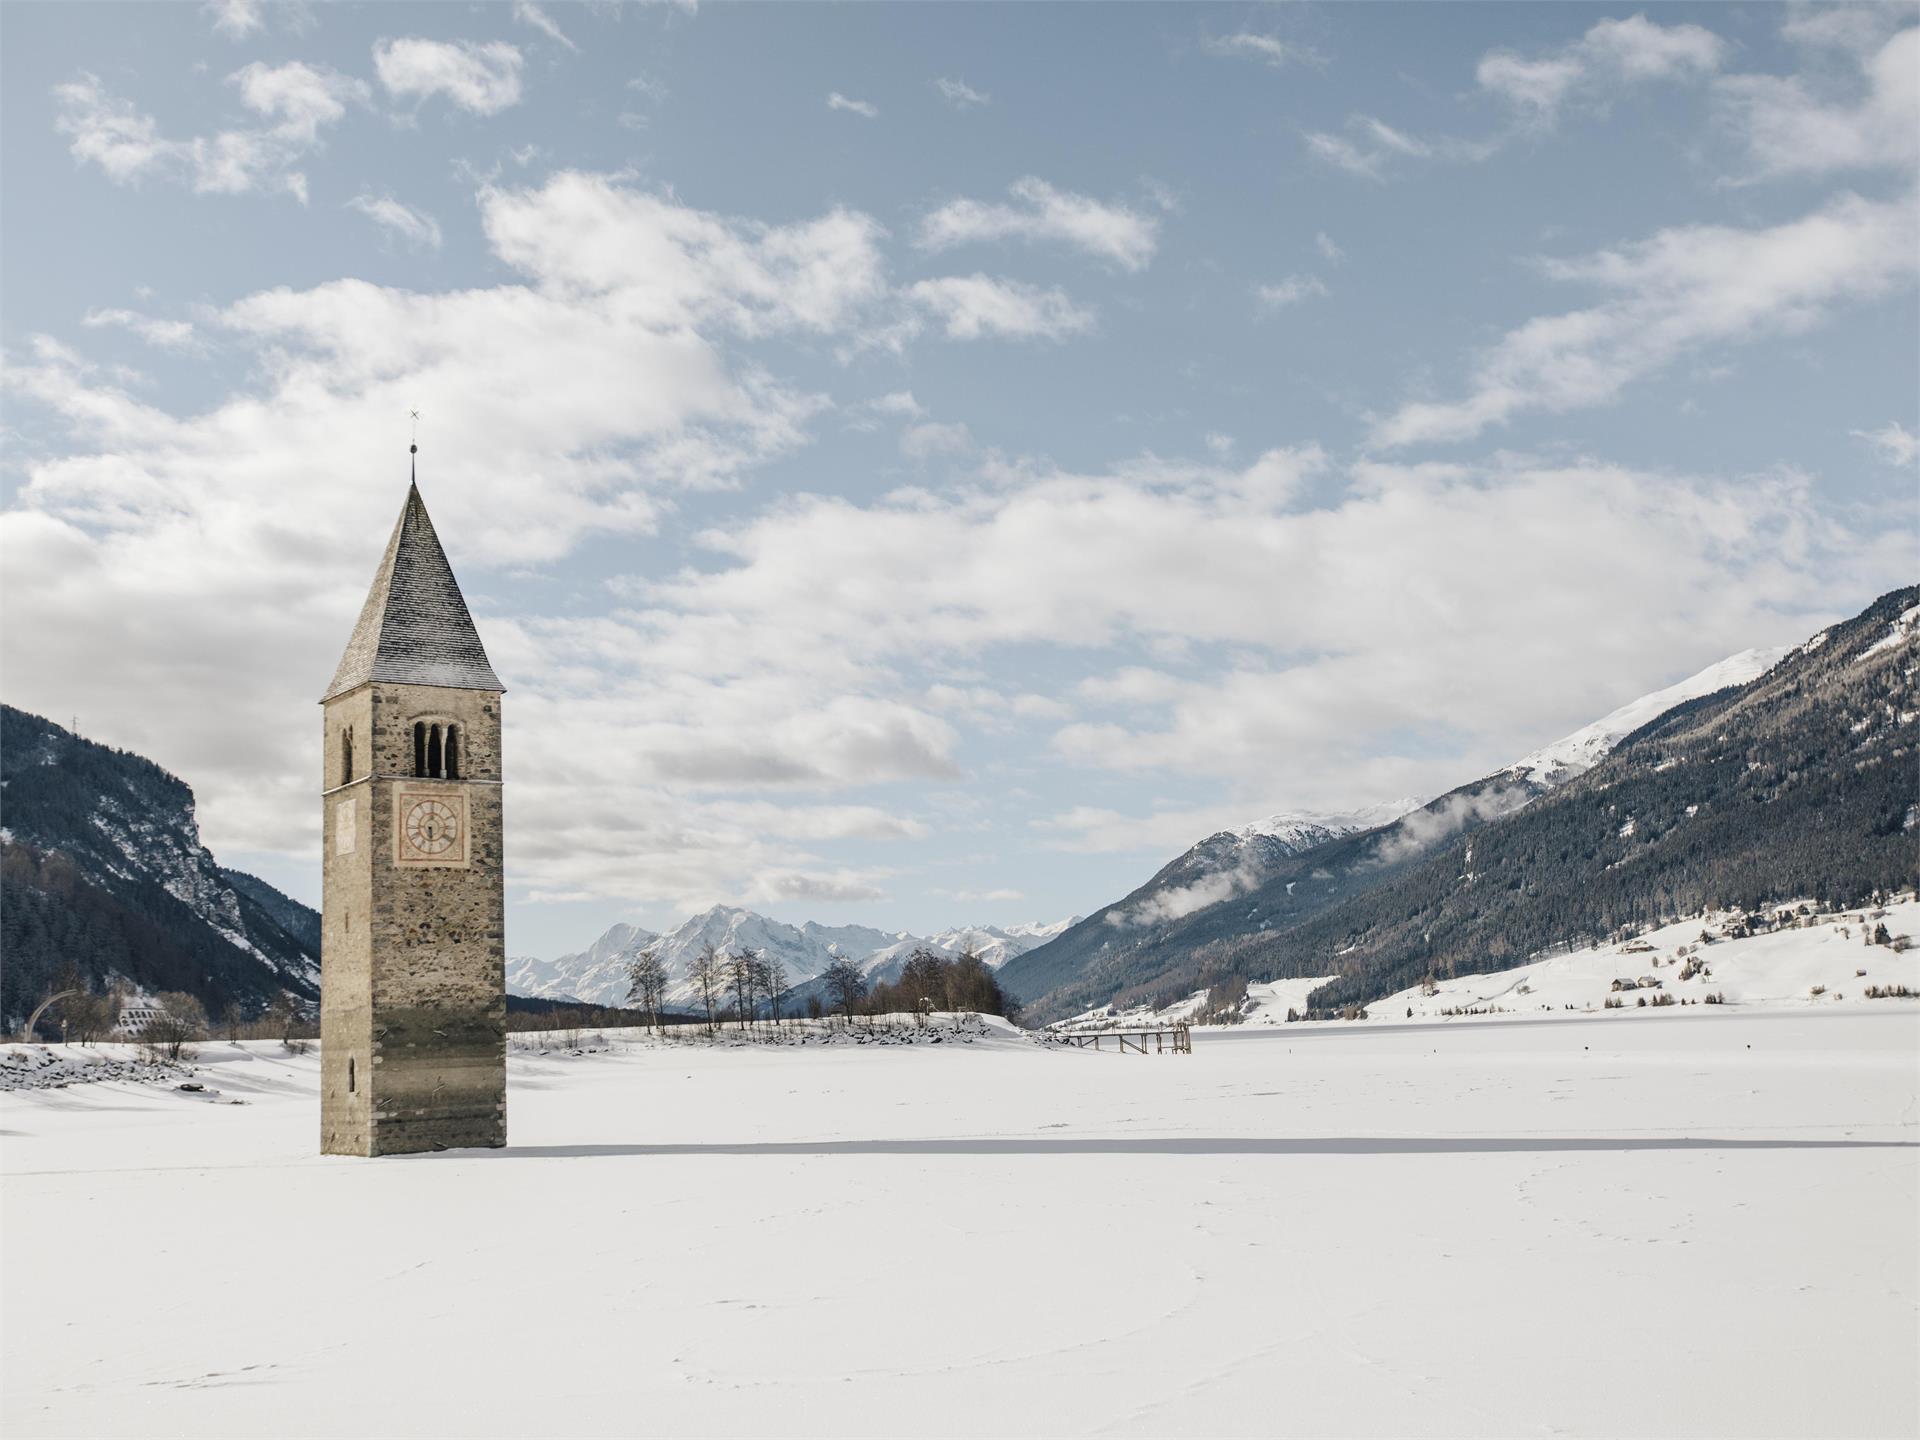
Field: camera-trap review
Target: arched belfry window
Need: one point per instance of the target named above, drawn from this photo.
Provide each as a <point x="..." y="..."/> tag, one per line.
<point x="346" y="755"/>
<point x="436" y="750"/>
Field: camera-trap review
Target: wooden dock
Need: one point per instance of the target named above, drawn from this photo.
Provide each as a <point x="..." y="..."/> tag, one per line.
<point x="1175" y="1040"/>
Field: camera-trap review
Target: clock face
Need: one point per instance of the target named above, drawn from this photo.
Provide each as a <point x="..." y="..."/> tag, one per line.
<point x="432" y="829"/>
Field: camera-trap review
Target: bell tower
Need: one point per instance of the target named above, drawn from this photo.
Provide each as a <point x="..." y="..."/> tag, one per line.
<point x="413" y="994"/>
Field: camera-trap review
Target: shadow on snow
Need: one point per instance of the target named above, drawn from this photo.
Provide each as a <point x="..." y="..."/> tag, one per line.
<point x="1183" y="1145"/>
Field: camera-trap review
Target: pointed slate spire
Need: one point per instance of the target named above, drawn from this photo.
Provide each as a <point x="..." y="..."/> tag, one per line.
<point x="415" y="628"/>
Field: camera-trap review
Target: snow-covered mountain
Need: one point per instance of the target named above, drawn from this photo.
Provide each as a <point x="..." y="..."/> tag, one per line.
<point x="1210" y="894"/>
<point x="1579" y="752"/>
<point x="598" y="973"/>
<point x="600" y="969"/>
<point x="1300" y="830"/>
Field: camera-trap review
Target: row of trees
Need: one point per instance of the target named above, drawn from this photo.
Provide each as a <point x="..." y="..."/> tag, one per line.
<point x="755" y="984"/>
<point x="744" y="985"/>
<point x="927" y="982"/>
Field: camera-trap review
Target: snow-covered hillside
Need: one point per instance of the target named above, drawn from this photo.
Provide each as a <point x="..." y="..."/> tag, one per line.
<point x="1792" y="956"/>
<point x="598" y="974"/>
<point x="1579" y="752"/>
<point x="1808" y="959"/>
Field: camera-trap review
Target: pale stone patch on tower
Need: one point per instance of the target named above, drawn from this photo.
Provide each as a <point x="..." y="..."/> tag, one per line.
<point x="413" y="952"/>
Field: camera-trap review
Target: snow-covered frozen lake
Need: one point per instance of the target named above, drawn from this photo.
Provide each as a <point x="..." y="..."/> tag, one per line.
<point x="1696" y="1223"/>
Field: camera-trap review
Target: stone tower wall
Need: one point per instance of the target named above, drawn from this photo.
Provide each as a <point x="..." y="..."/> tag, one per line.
<point x="421" y="948"/>
<point x="346" y="910"/>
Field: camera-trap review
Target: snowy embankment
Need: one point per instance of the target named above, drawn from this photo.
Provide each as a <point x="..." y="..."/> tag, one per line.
<point x="1814" y="960"/>
<point x="56" y="1067"/>
<point x="1469" y="1229"/>
<point x="1819" y="961"/>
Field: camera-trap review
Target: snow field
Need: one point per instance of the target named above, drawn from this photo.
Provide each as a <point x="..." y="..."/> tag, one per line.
<point x="1607" y="1226"/>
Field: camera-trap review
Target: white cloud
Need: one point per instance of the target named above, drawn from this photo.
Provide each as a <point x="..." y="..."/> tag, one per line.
<point x="1789" y="129"/>
<point x="416" y="227"/>
<point x="1132" y="685"/>
<point x="1111" y="232"/>
<point x="840" y="886"/>
<point x="528" y="13"/>
<point x="1860" y="28"/>
<point x="235" y="19"/>
<point x="163" y="334"/>
<point x="959" y="94"/>
<point x="672" y="265"/>
<point x="302" y="98"/>
<point x="1376" y="145"/>
<point x="1265" y="48"/>
<point x="1892" y="442"/>
<point x="974" y="307"/>
<point x="980" y="895"/>
<point x="1344" y="154"/>
<point x="922" y="442"/>
<point x="298" y="100"/>
<point x="483" y="78"/>
<point x="1095" y="830"/>
<point x="1612" y="55"/>
<point x="1175" y="901"/>
<point x="1290" y="291"/>
<point x="866" y="109"/>
<point x="1325" y="702"/>
<point x="1680" y="291"/>
<point x="868" y="416"/>
<point x="1422" y="829"/>
<point x="1329" y="248"/>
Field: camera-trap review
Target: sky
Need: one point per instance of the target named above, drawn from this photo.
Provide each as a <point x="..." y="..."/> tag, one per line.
<point x="921" y="465"/>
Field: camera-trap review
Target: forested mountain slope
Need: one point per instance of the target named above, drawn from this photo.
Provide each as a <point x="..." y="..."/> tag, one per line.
<point x="1290" y="914"/>
<point x="1800" y="783"/>
<point x="101" y="867"/>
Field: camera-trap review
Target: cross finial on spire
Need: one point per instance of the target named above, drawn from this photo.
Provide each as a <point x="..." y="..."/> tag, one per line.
<point x="413" y="447"/>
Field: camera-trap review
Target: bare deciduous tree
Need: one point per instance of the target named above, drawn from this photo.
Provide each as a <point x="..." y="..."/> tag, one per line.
<point x="647" y="983"/>
<point x="743" y="973"/>
<point x="709" y="975"/>
<point x="180" y="1018"/>
<point x="773" y="984"/>
<point x="846" y="987"/>
<point x="90" y="1016"/>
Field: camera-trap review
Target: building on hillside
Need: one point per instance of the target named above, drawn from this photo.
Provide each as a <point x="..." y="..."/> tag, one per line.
<point x="136" y="1013"/>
